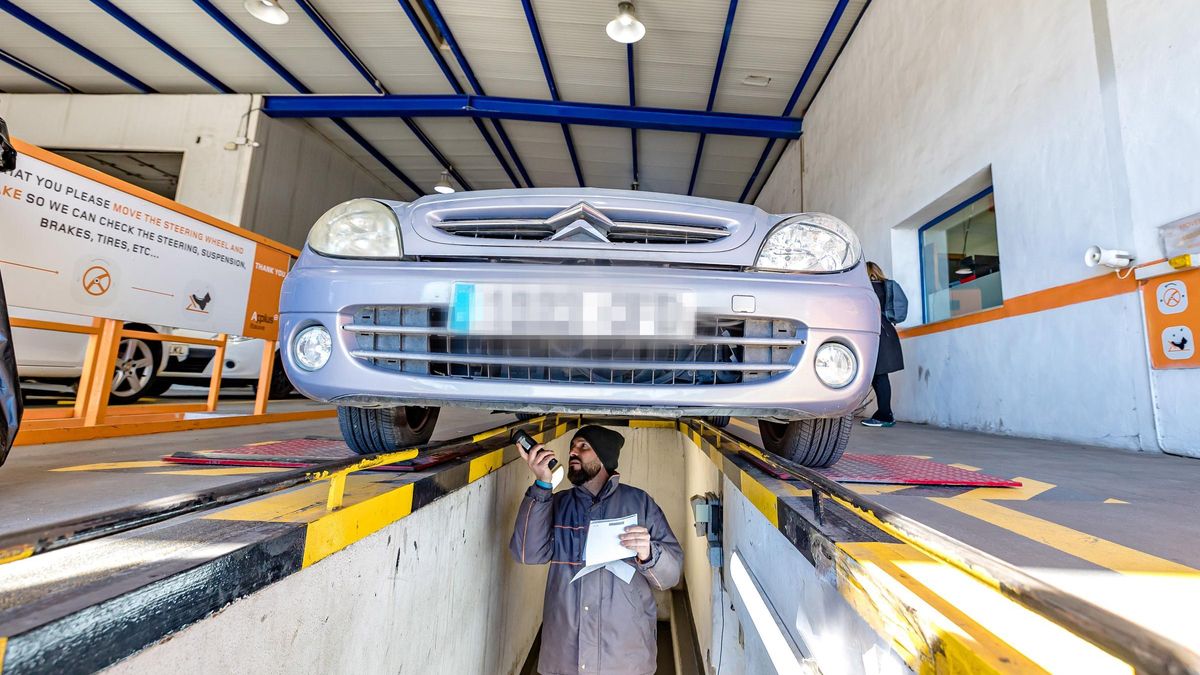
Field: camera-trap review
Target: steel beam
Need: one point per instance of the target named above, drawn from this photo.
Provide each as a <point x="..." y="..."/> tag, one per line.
<point x="632" y="104"/>
<point x="453" y="81"/>
<point x="536" y="32"/>
<point x="791" y="104"/>
<point x="533" y="110"/>
<point x="438" y="20"/>
<point x="163" y="46"/>
<point x="61" y="38"/>
<point x="712" y="90"/>
<point x="36" y="73"/>
<point x="270" y="61"/>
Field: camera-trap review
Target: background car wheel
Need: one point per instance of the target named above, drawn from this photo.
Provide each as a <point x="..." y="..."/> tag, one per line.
<point x="815" y="443"/>
<point x="158" y="387"/>
<point x="281" y="386"/>
<point x="371" y="430"/>
<point x="136" y="370"/>
<point x="719" y="422"/>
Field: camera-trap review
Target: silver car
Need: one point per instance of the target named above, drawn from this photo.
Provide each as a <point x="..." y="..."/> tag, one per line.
<point x="582" y="301"/>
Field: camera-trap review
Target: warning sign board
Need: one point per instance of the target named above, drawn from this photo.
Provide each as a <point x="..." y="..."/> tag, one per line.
<point x="79" y="242"/>
<point x="1172" y="322"/>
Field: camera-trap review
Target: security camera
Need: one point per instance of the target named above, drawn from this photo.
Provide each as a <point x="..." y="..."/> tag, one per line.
<point x="1109" y="257"/>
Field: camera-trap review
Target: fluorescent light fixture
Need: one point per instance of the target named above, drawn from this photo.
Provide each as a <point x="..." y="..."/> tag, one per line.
<point x="777" y="645"/>
<point x="267" y="11"/>
<point x="626" y="28"/>
<point x="443" y="186"/>
<point x="756" y="80"/>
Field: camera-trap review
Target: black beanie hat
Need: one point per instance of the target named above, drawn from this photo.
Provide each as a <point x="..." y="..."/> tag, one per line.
<point x="606" y="442"/>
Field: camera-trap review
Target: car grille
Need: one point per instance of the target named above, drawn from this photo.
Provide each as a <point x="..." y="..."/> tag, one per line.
<point x="620" y="232"/>
<point x="725" y="350"/>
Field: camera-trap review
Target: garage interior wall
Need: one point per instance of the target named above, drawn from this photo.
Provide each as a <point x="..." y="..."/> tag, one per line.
<point x="1081" y="114"/>
<point x="278" y="189"/>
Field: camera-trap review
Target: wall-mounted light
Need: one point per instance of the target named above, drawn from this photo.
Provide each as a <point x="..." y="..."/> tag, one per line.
<point x="626" y="28"/>
<point x="443" y="186"/>
<point x="267" y="11"/>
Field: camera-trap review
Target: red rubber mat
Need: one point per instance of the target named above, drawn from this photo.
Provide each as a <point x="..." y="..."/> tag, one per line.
<point x="299" y="453"/>
<point x="895" y="470"/>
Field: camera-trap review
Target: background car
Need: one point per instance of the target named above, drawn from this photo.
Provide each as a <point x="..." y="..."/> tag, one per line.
<point x="582" y="301"/>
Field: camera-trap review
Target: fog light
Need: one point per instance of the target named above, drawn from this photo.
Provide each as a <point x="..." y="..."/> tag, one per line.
<point x="835" y="365"/>
<point x="312" y="348"/>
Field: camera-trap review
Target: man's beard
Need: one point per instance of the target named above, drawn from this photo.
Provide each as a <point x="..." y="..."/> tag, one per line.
<point x="583" y="473"/>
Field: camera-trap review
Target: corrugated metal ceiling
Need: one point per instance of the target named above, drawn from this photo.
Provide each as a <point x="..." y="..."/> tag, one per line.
<point x="673" y="67"/>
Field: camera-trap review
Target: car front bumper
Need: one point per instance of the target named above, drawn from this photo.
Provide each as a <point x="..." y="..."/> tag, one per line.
<point x="840" y="307"/>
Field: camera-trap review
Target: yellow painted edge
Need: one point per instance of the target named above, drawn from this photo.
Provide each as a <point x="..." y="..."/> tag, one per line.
<point x="1029" y="489"/>
<point x="108" y="466"/>
<point x="762" y="498"/>
<point x="945" y="639"/>
<point x="965" y="467"/>
<point x="1111" y="500"/>
<point x="3" y="651"/>
<point x="651" y="424"/>
<point x="222" y="471"/>
<point x="482" y="466"/>
<point x="335" y="531"/>
<point x="19" y="552"/>
<point x="1088" y="547"/>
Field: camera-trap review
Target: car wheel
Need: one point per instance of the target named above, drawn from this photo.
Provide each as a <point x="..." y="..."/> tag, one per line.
<point x="719" y="422"/>
<point x="371" y="430"/>
<point x="158" y="387"/>
<point x="136" y="370"/>
<point x="815" y="443"/>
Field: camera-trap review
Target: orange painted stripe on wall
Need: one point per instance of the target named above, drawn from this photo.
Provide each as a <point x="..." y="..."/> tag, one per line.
<point x="1095" y="288"/>
<point x="131" y="189"/>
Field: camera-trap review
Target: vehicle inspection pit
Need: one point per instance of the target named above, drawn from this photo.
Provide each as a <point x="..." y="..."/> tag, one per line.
<point x="339" y="569"/>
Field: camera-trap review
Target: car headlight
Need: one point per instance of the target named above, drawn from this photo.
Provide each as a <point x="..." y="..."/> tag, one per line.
<point x="359" y="228"/>
<point x="312" y="348"/>
<point x="809" y="242"/>
<point x="835" y="364"/>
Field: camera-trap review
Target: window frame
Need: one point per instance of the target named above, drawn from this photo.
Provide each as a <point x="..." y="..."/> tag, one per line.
<point x="921" y="243"/>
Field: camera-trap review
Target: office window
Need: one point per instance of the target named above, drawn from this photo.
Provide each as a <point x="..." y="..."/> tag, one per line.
<point x="960" y="260"/>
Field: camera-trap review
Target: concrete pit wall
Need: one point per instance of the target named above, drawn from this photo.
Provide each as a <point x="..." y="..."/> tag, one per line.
<point x="438" y="592"/>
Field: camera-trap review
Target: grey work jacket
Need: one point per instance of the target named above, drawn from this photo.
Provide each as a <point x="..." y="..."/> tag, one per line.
<point x="599" y="624"/>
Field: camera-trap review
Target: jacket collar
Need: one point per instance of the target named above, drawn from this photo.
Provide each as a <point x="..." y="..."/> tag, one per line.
<point x="610" y="486"/>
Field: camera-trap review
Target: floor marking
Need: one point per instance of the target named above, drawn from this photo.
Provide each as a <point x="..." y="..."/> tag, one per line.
<point x="1110" y="500"/>
<point x="1079" y="544"/>
<point x="251" y="445"/>
<point x="876" y="489"/>
<point x="966" y="467"/>
<point x="1029" y="489"/>
<point x="223" y="471"/>
<point x="106" y="466"/>
<point x="920" y="456"/>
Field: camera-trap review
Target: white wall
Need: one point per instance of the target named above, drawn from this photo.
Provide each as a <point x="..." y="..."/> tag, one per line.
<point x="277" y="189"/>
<point x="212" y="179"/>
<point x="297" y="175"/>
<point x="1084" y="144"/>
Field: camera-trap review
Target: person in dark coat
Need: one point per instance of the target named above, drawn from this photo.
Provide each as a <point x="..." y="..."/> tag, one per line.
<point x="599" y="623"/>
<point x="893" y="308"/>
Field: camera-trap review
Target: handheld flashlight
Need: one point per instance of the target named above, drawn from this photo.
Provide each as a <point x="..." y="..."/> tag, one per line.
<point x="526" y="443"/>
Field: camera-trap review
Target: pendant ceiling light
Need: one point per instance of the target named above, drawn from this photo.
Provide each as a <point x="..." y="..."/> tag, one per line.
<point x="267" y="11"/>
<point x="443" y="186"/>
<point x="626" y="28"/>
<point x="965" y="267"/>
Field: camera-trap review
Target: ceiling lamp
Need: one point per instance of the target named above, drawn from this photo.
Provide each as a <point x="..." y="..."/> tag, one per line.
<point x="626" y="28"/>
<point x="267" y="11"/>
<point x="443" y="186"/>
<point x="966" y="265"/>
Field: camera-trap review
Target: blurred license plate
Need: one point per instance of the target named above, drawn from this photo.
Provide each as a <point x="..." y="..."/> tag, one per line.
<point x="527" y="309"/>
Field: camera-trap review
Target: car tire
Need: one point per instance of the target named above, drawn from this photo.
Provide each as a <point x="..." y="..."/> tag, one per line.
<point x="719" y="422"/>
<point x="136" y="371"/>
<point x="815" y="443"/>
<point x="158" y="387"/>
<point x="372" y="430"/>
<point x="281" y="386"/>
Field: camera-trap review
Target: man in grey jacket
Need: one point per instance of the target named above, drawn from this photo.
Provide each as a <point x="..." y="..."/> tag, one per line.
<point x="598" y="624"/>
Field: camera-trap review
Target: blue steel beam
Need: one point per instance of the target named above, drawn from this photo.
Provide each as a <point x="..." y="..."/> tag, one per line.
<point x="438" y="20"/>
<point x="632" y="104"/>
<point x="163" y="46"/>
<point x="59" y="37"/>
<point x="534" y="110"/>
<point x="808" y="71"/>
<point x="531" y="18"/>
<point x="449" y="74"/>
<point x="377" y="85"/>
<point x="249" y="43"/>
<point x="712" y="90"/>
<point x="36" y="73"/>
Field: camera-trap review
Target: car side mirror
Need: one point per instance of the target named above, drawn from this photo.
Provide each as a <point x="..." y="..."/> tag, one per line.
<point x="8" y="154"/>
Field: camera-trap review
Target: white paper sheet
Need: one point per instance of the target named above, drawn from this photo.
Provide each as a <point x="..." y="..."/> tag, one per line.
<point x="604" y="540"/>
<point x="622" y="569"/>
